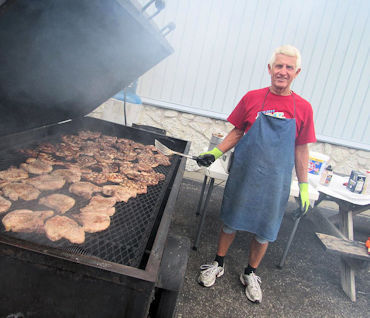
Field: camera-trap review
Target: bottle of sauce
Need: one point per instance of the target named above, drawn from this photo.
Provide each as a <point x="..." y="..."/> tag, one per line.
<point x="326" y="176"/>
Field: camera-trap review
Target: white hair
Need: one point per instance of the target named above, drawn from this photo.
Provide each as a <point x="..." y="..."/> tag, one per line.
<point x="287" y="50"/>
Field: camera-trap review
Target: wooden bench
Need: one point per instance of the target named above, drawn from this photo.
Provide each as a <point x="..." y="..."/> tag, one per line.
<point x="353" y="255"/>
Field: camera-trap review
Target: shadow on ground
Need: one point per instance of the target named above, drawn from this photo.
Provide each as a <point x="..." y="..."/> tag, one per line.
<point x="307" y="286"/>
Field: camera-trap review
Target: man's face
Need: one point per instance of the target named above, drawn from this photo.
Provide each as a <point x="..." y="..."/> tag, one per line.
<point x="283" y="72"/>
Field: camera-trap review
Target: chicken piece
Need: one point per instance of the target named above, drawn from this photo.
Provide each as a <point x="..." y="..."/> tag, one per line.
<point x="85" y="161"/>
<point x="13" y="174"/>
<point x="47" y="147"/>
<point x="84" y="189"/>
<point x="162" y="160"/>
<point x="115" y="177"/>
<point x="139" y="187"/>
<point x="15" y="190"/>
<point x="148" y="159"/>
<point x="93" y="222"/>
<point x="73" y="140"/>
<point x="59" y="227"/>
<point x="59" y="202"/>
<point x="49" y="159"/>
<point x="95" y="177"/>
<point x="119" y="192"/>
<point x="30" y="152"/>
<point x="47" y="182"/>
<point x="4" y="204"/>
<point x="26" y="220"/>
<point x="68" y="151"/>
<point x="36" y="166"/>
<point x="107" y="140"/>
<point x="142" y="166"/>
<point x="69" y="175"/>
<point x="150" y="178"/>
<point x="104" y="157"/>
<point x="87" y="134"/>
<point x="101" y="205"/>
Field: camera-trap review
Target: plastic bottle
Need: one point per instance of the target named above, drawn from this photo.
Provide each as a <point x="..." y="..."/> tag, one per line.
<point x="326" y="176"/>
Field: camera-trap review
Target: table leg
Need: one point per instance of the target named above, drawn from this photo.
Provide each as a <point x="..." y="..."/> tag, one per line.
<point x="203" y="214"/>
<point x="347" y="274"/>
<point x="201" y="195"/>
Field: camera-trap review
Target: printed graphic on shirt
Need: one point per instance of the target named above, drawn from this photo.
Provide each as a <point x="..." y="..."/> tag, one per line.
<point x="272" y="113"/>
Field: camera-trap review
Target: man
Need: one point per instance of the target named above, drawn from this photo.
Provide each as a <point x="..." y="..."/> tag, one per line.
<point x="273" y="127"/>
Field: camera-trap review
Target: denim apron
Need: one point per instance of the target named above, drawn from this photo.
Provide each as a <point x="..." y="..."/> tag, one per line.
<point x="258" y="187"/>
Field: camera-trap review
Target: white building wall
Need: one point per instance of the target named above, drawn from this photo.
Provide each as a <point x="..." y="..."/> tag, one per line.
<point x="222" y="49"/>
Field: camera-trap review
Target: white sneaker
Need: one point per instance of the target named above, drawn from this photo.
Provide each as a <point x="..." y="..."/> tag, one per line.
<point x="209" y="273"/>
<point x="252" y="287"/>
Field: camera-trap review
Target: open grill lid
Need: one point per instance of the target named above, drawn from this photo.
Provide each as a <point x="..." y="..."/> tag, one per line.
<point x="61" y="59"/>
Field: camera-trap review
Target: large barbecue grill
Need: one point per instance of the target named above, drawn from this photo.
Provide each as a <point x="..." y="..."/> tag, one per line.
<point x="117" y="272"/>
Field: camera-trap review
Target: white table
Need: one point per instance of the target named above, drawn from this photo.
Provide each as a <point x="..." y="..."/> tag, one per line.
<point x="349" y="204"/>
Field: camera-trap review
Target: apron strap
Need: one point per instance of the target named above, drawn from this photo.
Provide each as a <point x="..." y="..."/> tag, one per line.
<point x="264" y="99"/>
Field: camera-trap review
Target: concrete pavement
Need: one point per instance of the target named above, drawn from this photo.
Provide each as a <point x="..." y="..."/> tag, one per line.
<point x="307" y="286"/>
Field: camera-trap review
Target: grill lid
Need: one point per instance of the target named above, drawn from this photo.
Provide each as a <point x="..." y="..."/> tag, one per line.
<point x="61" y="59"/>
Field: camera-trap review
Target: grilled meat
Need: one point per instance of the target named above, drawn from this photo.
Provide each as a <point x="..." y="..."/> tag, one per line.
<point x="26" y="220"/>
<point x="93" y="222"/>
<point x="47" y="147"/>
<point x="119" y="192"/>
<point x="101" y="205"/>
<point x="59" y="227"/>
<point x="47" y="182"/>
<point x="107" y="140"/>
<point x="95" y="177"/>
<point x="139" y="187"/>
<point x="15" y="190"/>
<point x="4" y="204"/>
<point x="69" y="175"/>
<point x="13" y="174"/>
<point x="85" y="161"/>
<point x="87" y="134"/>
<point x="162" y="160"/>
<point x="36" y="166"/>
<point x="115" y="177"/>
<point x="84" y="189"/>
<point x="59" y="202"/>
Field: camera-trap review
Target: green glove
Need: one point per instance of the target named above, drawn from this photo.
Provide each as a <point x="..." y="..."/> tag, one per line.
<point x="303" y="193"/>
<point x="207" y="158"/>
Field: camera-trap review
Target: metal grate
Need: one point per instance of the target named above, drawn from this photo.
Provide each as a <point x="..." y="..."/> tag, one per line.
<point x="125" y="240"/>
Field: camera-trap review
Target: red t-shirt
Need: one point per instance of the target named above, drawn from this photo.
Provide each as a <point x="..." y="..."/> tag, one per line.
<point x="245" y="113"/>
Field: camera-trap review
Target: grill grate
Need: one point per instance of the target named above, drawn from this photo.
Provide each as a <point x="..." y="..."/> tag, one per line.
<point x="125" y="240"/>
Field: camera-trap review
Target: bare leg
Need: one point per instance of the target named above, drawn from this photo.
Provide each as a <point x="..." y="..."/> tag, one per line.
<point x="256" y="253"/>
<point x="224" y="242"/>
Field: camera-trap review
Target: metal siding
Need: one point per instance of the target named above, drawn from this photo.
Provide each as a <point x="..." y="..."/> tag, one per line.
<point x="222" y="49"/>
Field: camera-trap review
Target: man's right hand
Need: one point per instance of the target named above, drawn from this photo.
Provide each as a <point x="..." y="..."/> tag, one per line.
<point x="207" y="158"/>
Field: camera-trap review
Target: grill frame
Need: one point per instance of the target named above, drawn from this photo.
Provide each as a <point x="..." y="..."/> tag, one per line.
<point x="135" y="285"/>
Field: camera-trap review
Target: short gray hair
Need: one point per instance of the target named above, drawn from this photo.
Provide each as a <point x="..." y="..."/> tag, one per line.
<point x="289" y="50"/>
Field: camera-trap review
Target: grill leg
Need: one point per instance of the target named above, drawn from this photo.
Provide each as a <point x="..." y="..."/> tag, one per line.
<point x="201" y="195"/>
<point x="282" y="261"/>
<point x="203" y="214"/>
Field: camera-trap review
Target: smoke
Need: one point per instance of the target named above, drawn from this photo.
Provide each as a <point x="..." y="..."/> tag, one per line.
<point x="62" y="59"/>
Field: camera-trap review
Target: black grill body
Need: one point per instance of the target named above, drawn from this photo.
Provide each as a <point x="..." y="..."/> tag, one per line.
<point x="112" y="274"/>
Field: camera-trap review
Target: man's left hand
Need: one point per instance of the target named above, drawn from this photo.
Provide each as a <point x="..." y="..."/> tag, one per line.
<point x="303" y="194"/>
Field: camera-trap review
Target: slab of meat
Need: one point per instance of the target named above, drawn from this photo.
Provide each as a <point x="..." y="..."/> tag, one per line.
<point x="95" y="177"/>
<point x="4" y="204"/>
<point x="85" y="161"/>
<point x="93" y="222"/>
<point x="36" y="166"/>
<point x="139" y="187"/>
<point x="119" y="192"/>
<point x="107" y="140"/>
<point x="101" y="205"/>
<point x="47" y="182"/>
<point x="24" y="191"/>
<point x="47" y="147"/>
<point x="26" y="220"/>
<point x="84" y="189"/>
<point x="69" y="175"/>
<point x="162" y="159"/>
<point x="13" y="174"/>
<point x="49" y="159"/>
<point x="59" y="202"/>
<point x="116" y="177"/>
<point x="87" y="134"/>
<point x="59" y="227"/>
